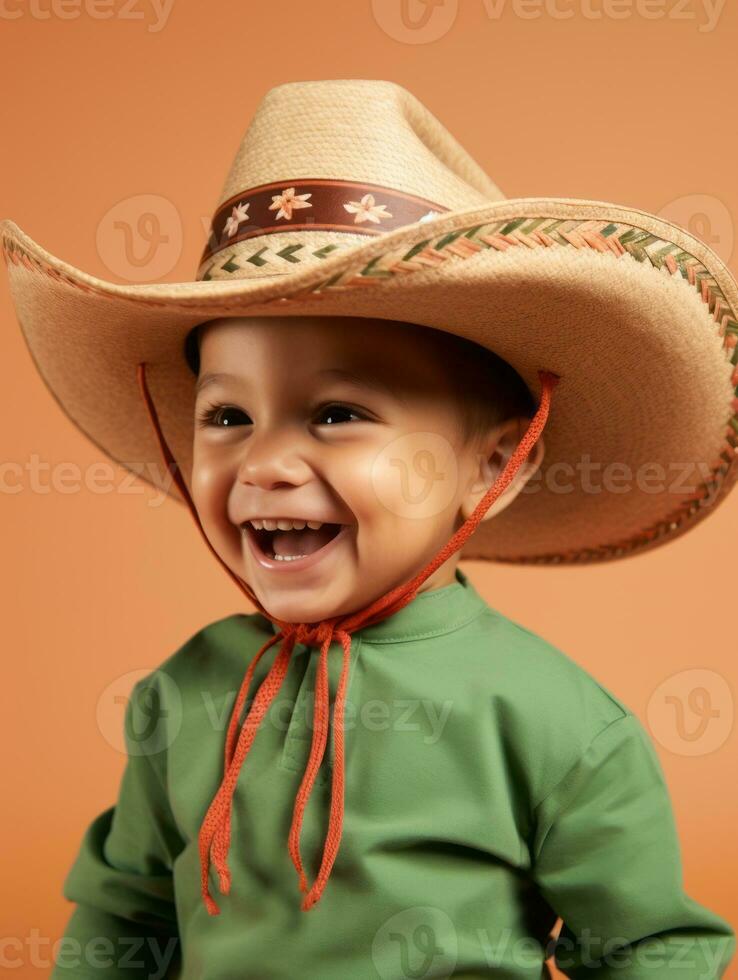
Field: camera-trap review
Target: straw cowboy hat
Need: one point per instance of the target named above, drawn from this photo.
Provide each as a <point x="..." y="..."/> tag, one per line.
<point x="349" y="197"/>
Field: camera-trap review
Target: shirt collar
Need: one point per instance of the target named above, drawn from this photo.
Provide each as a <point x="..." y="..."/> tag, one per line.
<point x="429" y="614"/>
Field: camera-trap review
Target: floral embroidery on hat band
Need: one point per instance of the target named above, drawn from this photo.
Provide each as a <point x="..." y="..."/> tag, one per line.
<point x="316" y="205"/>
<point x="617" y="238"/>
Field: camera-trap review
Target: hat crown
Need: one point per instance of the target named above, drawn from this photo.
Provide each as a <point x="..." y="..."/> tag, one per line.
<point x="324" y="164"/>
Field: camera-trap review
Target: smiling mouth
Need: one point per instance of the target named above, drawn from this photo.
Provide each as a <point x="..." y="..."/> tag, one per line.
<point x="294" y="546"/>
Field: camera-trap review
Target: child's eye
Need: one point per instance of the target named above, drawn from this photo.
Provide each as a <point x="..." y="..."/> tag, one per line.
<point x="336" y="409"/>
<point x="227" y="416"/>
<point x="216" y="415"/>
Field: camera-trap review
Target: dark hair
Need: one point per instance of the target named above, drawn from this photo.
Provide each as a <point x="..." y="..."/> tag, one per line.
<point x="487" y="390"/>
<point x="192" y="349"/>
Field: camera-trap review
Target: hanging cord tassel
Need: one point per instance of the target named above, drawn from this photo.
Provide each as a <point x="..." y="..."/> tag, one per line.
<point x="215" y="831"/>
<point x="317" y="751"/>
<point x="215" y="827"/>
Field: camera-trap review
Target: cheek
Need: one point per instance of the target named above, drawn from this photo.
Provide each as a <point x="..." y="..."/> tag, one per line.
<point x="415" y="477"/>
<point x="211" y="484"/>
<point x="350" y="479"/>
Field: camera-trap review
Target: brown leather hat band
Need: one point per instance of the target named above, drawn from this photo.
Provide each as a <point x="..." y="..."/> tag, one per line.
<point x="314" y="204"/>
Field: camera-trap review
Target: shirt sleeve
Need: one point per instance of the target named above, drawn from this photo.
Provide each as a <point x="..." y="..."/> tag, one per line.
<point x="606" y="858"/>
<point x="125" y="922"/>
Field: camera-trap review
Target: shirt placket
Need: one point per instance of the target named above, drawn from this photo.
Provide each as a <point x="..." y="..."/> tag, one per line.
<point x="299" y="735"/>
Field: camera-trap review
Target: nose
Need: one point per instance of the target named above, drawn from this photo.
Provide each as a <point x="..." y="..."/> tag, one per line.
<point x="272" y="459"/>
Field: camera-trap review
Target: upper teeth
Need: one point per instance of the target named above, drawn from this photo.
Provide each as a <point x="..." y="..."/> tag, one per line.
<point x="283" y="524"/>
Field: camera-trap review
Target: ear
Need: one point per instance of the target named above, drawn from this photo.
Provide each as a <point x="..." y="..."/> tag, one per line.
<point x="499" y="446"/>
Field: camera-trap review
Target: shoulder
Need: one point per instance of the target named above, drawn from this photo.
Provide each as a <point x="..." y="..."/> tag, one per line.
<point x="212" y="659"/>
<point x="523" y="655"/>
<point x="543" y="697"/>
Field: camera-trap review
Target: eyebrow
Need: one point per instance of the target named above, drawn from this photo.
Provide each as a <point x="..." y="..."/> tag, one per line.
<point x="362" y="381"/>
<point x="339" y="374"/>
<point x="212" y="378"/>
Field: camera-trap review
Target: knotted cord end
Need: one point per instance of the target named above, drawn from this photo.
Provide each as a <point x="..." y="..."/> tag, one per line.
<point x="210" y="905"/>
<point x="309" y="901"/>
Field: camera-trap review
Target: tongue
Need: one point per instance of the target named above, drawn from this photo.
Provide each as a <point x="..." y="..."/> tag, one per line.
<point x="303" y="542"/>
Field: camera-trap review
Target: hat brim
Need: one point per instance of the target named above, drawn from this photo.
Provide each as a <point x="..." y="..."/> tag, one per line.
<point x="635" y="314"/>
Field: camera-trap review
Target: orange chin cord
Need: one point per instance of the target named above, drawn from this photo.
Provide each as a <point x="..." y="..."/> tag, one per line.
<point x="215" y="831"/>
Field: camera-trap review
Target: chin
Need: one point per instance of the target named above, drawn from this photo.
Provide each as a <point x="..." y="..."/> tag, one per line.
<point x="291" y="610"/>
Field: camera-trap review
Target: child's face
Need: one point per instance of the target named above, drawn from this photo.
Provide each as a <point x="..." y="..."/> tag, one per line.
<point x="288" y="436"/>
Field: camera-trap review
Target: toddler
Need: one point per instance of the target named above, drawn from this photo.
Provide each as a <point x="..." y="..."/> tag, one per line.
<point x="381" y="368"/>
<point x="492" y="785"/>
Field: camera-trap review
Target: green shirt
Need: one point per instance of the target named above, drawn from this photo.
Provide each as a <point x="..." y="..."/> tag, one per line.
<point x="492" y="785"/>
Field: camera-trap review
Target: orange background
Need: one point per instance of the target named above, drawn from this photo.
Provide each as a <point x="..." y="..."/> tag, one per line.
<point x="96" y="111"/>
